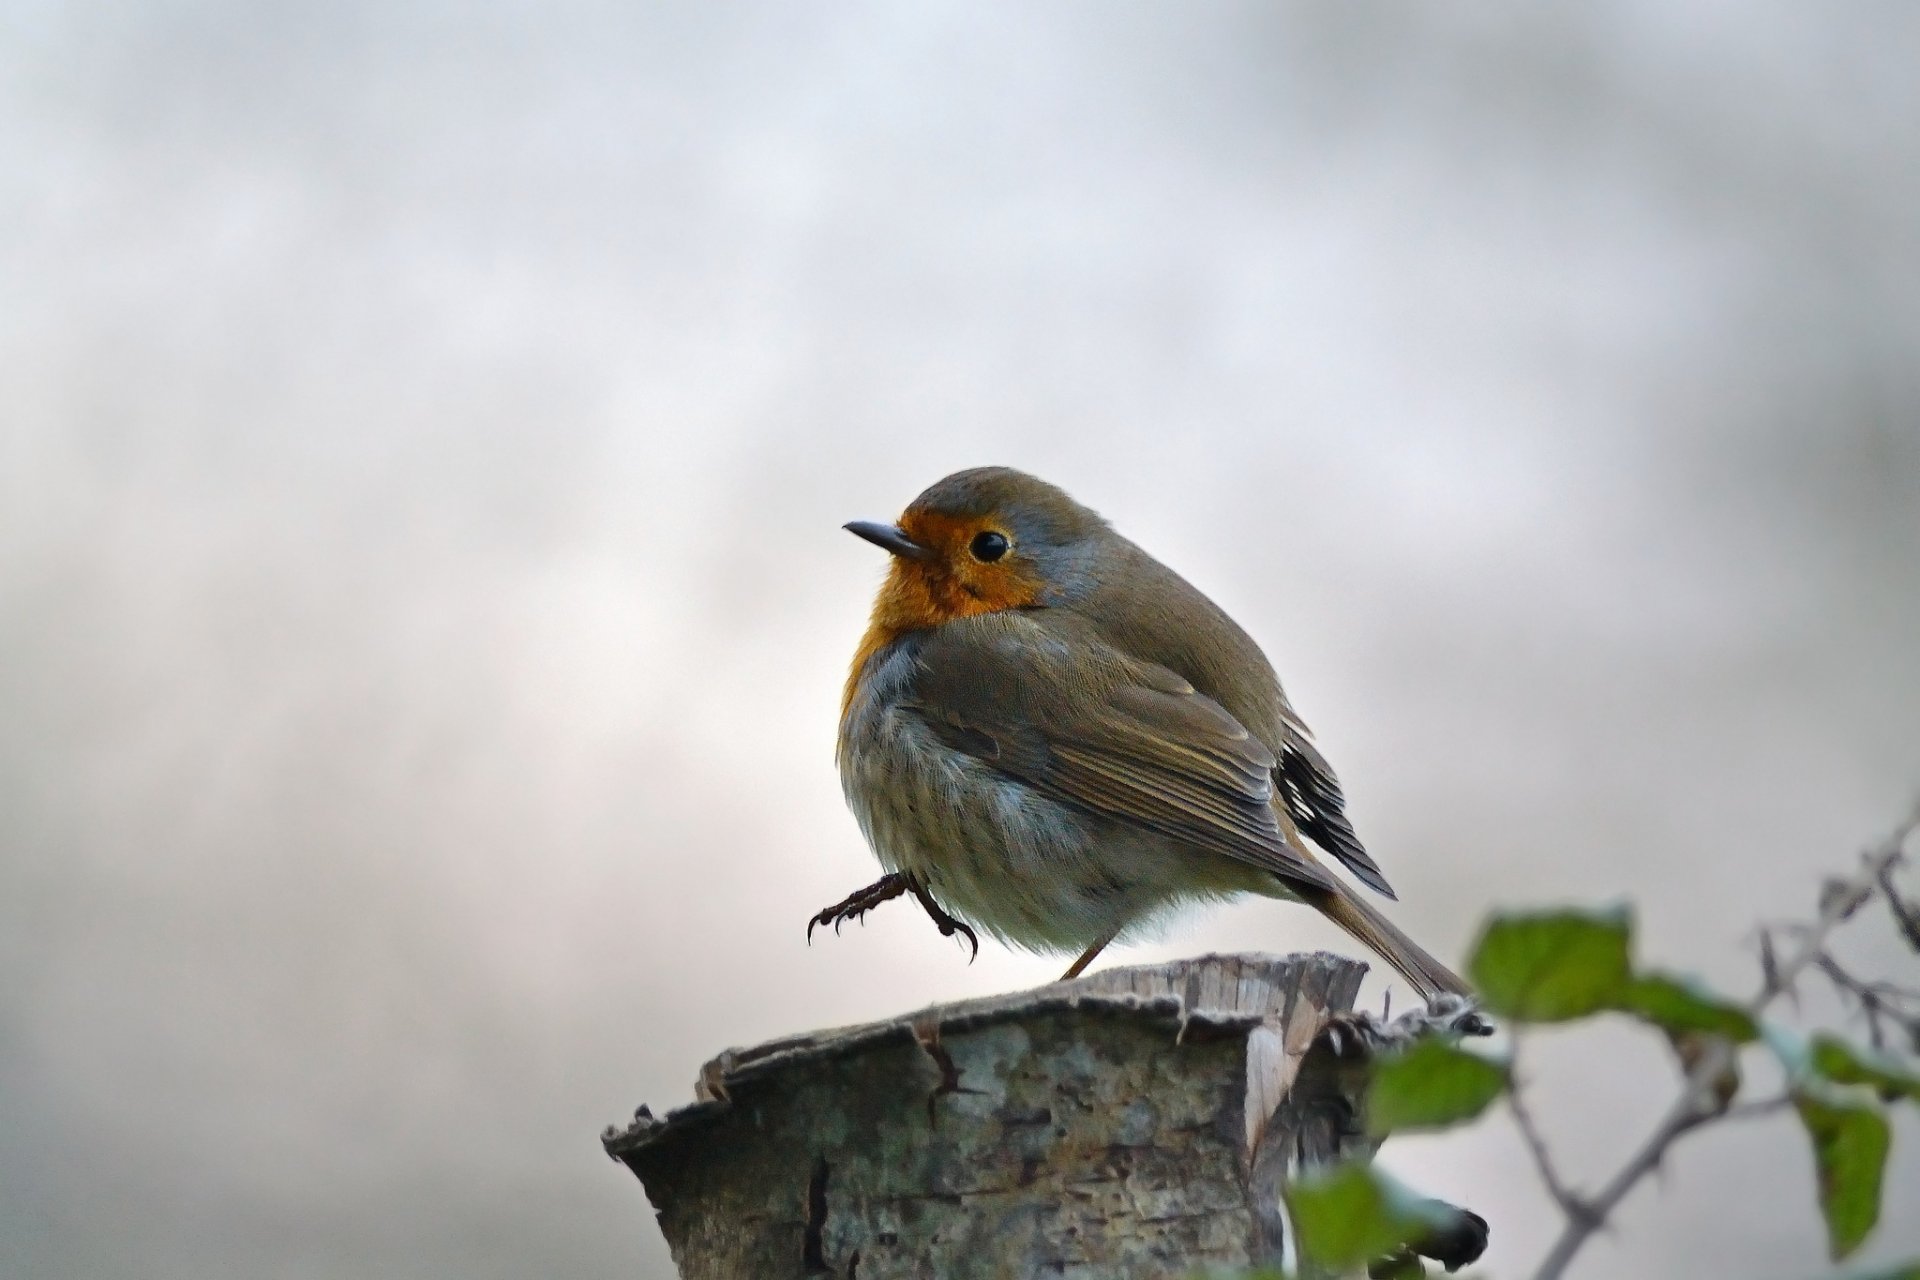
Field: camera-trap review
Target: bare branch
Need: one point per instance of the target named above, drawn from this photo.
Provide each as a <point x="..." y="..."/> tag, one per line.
<point x="1755" y="1110"/>
<point x="1570" y="1204"/>
<point x="1697" y="1103"/>
<point x="1879" y="1002"/>
<point x="1904" y="913"/>
<point x="1769" y="965"/>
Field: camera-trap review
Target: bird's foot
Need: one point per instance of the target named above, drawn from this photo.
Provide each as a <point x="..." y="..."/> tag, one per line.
<point x="861" y="901"/>
<point x="1360" y="1034"/>
<point x="947" y="924"/>
<point x="885" y="889"/>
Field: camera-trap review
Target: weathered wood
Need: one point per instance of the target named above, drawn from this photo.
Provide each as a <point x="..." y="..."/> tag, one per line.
<point x="1139" y="1122"/>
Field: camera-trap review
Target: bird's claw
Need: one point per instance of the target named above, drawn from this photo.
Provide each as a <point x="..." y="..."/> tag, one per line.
<point x="950" y="926"/>
<point x="858" y="903"/>
<point x="947" y="925"/>
<point x="885" y="889"/>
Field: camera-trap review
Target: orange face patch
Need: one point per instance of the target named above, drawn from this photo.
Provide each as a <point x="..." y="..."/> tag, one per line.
<point x="951" y="583"/>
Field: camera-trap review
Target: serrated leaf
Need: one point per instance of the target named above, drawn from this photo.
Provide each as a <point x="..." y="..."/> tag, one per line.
<point x="1351" y="1214"/>
<point x="1850" y="1157"/>
<point x="1430" y="1086"/>
<point x="1843" y="1063"/>
<point x="1680" y="1005"/>
<point x="1552" y="966"/>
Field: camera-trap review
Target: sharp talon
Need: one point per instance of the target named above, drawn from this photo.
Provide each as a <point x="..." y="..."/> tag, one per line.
<point x="947" y="925"/>
<point x="856" y="905"/>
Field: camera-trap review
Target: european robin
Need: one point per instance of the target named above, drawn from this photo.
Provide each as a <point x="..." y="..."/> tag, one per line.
<point x="1049" y="734"/>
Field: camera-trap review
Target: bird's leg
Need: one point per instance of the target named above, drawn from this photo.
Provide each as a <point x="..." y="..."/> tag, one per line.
<point x="1075" y="969"/>
<point x="861" y="901"/>
<point x="948" y="925"/>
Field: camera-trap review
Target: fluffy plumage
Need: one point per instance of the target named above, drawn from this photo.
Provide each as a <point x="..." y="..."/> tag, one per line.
<point x="1060" y="737"/>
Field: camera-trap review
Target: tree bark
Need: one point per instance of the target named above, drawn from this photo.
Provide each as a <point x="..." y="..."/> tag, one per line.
<point x="1139" y="1122"/>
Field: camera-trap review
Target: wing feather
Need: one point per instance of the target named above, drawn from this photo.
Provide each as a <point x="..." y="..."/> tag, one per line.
<point x="1317" y="806"/>
<point x="1127" y="740"/>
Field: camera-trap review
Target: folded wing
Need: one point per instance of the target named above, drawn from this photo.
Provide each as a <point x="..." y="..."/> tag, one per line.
<point x="1123" y="739"/>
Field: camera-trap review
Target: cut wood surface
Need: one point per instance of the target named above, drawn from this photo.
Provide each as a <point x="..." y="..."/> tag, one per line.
<point x="1138" y="1122"/>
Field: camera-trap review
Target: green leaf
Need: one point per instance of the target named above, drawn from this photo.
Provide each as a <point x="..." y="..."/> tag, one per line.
<point x="1680" y="1005"/>
<point x="1430" y="1086"/>
<point x="1843" y="1063"/>
<point x="1849" y="1154"/>
<point x="1351" y="1214"/>
<point x="1552" y="966"/>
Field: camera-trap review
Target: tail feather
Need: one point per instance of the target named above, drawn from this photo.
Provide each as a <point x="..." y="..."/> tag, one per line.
<point x="1428" y="976"/>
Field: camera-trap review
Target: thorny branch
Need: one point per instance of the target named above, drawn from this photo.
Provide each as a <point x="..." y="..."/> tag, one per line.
<point x="1697" y="1102"/>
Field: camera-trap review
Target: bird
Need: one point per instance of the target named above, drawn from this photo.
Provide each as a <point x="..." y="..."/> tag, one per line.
<point x="1050" y="735"/>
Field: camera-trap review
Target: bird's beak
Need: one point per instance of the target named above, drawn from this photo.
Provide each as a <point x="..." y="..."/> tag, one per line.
<point x="888" y="536"/>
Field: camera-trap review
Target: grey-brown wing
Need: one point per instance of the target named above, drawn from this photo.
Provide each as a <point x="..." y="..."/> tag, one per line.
<point x="1126" y="740"/>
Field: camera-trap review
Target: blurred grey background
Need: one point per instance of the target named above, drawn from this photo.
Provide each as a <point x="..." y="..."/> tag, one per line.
<point x="425" y="431"/>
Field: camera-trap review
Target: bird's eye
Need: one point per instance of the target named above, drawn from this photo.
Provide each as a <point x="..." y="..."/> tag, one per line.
<point x="989" y="546"/>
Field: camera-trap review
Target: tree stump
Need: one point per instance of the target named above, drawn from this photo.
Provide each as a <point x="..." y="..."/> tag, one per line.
<point x="1139" y="1122"/>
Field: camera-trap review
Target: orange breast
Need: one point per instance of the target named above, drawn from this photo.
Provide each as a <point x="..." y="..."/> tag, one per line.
<point x="920" y="595"/>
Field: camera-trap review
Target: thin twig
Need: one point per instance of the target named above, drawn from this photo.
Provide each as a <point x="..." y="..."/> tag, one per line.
<point x="1878" y="989"/>
<point x="1696" y="1103"/>
<point x="1769" y="966"/>
<point x="1754" y="1110"/>
<point x="1879" y="1002"/>
<point x="1904" y="913"/>
<point x="1570" y="1204"/>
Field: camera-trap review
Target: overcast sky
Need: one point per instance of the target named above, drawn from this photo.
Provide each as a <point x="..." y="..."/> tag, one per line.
<point x="424" y="436"/>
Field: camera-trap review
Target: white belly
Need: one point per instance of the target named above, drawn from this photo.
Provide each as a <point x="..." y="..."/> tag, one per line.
<point x="996" y="852"/>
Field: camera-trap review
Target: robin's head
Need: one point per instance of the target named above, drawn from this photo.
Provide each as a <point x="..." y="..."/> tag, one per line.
<point x="980" y="541"/>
